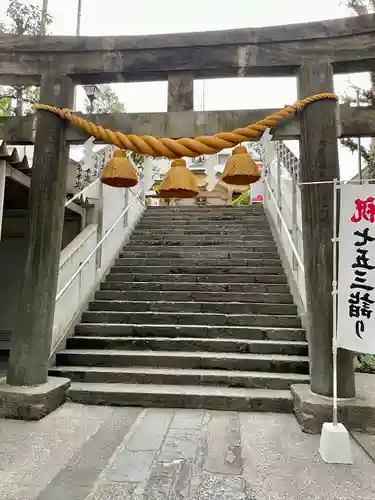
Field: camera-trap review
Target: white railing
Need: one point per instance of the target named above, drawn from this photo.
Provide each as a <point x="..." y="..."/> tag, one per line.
<point x="97" y="246"/>
<point x="85" y="260"/>
<point x="285" y="227"/>
<point x="84" y="192"/>
<point x="282" y="201"/>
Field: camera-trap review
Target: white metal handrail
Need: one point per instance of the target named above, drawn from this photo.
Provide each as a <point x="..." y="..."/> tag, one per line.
<point x="82" y="242"/>
<point x="282" y="220"/>
<point x="98" y="245"/>
<point x="80" y="193"/>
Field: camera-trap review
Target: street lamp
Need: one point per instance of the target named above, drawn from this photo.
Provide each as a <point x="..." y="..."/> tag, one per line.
<point x="92" y="92"/>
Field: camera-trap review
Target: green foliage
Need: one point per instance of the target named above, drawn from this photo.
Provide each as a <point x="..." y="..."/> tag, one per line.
<point x="366" y="363"/>
<point x="24" y="19"/>
<point x="137" y="159"/>
<point x="5" y="106"/>
<point x="21" y="20"/>
<point x="242" y="199"/>
<point x="366" y="96"/>
<point x="107" y="102"/>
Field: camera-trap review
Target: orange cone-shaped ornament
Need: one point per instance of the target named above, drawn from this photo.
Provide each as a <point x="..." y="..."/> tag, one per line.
<point x="240" y="169"/>
<point x="179" y="182"/>
<point x="119" y="171"/>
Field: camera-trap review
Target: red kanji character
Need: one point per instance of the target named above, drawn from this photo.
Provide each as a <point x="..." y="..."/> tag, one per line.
<point x="365" y="210"/>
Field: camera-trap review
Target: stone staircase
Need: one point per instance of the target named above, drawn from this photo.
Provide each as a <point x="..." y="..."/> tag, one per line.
<point x="195" y="313"/>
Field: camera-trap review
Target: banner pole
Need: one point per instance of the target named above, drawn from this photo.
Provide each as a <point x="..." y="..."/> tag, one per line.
<point x="334" y="447"/>
<point x="334" y="302"/>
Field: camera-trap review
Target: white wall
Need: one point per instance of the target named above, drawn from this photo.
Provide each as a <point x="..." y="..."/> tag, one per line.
<point x="286" y="211"/>
<point x="69" y="305"/>
<point x="12" y="255"/>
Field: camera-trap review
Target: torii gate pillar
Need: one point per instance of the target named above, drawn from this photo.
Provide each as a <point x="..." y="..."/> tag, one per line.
<point x="319" y="162"/>
<point x="28" y="393"/>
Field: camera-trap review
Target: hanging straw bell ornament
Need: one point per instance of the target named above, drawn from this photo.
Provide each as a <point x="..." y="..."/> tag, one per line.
<point x="179" y="182"/>
<point x="240" y="169"/>
<point x="119" y="171"/>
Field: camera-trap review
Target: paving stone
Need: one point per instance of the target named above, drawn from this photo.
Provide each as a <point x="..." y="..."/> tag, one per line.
<point x="279" y="461"/>
<point x="223" y="487"/>
<point x="115" y="491"/>
<point x="74" y="482"/>
<point x="283" y="463"/>
<point x="179" y="444"/>
<point x="367" y="442"/>
<point x="151" y="431"/>
<point x="223" y="455"/>
<point x="33" y="453"/>
<point x="169" y="480"/>
<point x="187" y="419"/>
<point x="131" y="466"/>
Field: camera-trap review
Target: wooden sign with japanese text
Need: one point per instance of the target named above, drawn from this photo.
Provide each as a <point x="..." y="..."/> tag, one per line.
<point x="356" y="279"/>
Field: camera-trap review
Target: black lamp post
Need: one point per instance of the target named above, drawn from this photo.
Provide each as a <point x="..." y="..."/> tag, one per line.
<point x="92" y="92"/>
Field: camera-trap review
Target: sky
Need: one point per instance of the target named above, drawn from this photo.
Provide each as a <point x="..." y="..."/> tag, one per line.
<point x="120" y="17"/>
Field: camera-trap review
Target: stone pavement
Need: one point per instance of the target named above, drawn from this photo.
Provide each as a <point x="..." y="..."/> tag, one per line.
<point x="103" y="453"/>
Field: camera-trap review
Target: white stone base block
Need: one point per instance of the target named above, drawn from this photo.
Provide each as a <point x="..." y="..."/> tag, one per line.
<point x="335" y="447"/>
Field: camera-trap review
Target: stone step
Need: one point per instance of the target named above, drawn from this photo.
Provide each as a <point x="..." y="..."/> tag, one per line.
<point x="224" y="237"/>
<point x="204" y="230"/>
<point x="216" y="242"/>
<point x="205" y="214"/>
<point x="248" y="245"/>
<point x="191" y="331"/>
<point x="196" y="222"/>
<point x="190" y="318"/>
<point x="202" y="270"/>
<point x="230" y="248"/>
<point x="231" y="210"/>
<point x="174" y="396"/>
<point x="197" y="288"/>
<point x="186" y="296"/>
<point x="195" y="262"/>
<point x="177" y="376"/>
<point x="274" y="363"/>
<point x="196" y="278"/>
<point x="199" y="253"/>
<point x="209" y="209"/>
<point x="161" y="213"/>
<point x="189" y="344"/>
<point x="214" y="219"/>
<point x="195" y="307"/>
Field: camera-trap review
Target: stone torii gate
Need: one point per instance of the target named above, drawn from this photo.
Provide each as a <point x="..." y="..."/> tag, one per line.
<point x="313" y="52"/>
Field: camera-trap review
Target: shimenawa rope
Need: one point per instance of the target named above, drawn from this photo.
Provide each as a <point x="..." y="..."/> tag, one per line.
<point x="177" y="148"/>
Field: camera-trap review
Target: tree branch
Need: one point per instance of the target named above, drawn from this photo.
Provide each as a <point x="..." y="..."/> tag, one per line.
<point x="358" y="6"/>
<point x="349" y="143"/>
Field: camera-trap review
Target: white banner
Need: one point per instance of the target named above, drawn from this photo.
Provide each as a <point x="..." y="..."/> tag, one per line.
<point x="356" y="283"/>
